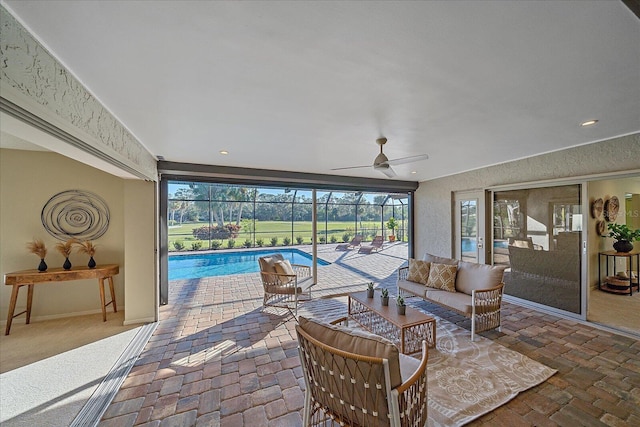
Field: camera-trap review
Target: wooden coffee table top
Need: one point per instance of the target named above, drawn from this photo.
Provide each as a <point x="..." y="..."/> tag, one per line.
<point x="390" y="312"/>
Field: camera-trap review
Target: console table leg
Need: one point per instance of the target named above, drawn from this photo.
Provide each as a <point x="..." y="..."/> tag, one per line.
<point x="104" y="308"/>
<point x="12" y="307"/>
<point x="113" y="294"/>
<point x="29" y="302"/>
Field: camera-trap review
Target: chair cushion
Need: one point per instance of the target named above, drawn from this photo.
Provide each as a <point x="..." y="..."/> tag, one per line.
<point x="472" y="276"/>
<point x="267" y="263"/>
<point x="418" y="271"/>
<point x="442" y="276"/>
<point x="411" y="287"/>
<point x="284" y="267"/>
<point x="455" y="300"/>
<point x="357" y="342"/>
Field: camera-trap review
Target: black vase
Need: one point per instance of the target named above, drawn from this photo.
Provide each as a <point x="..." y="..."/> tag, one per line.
<point x="42" y="266"/>
<point x="67" y="264"/>
<point x="623" y="246"/>
<point x="92" y="263"/>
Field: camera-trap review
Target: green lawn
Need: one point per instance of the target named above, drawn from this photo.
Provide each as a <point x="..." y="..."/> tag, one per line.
<point x="266" y="230"/>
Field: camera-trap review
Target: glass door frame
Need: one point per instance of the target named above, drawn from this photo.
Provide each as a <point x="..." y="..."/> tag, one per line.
<point x="483" y="248"/>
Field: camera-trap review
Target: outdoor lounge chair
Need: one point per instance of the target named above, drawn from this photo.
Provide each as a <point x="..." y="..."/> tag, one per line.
<point x="284" y="284"/>
<point x="355" y="242"/>
<point x="354" y="378"/>
<point x="375" y="245"/>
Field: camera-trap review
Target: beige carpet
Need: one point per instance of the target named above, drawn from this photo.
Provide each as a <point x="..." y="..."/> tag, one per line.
<point x="466" y="379"/>
<point x="64" y="372"/>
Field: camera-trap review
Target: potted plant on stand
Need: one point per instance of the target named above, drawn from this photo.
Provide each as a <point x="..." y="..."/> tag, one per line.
<point x="402" y="308"/>
<point x="385" y="297"/>
<point x="392" y="224"/>
<point x="623" y="235"/>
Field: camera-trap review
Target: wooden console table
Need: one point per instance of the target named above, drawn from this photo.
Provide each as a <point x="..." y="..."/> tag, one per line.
<point x="29" y="278"/>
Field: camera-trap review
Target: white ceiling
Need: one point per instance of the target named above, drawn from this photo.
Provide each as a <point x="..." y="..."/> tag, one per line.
<point x="309" y="86"/>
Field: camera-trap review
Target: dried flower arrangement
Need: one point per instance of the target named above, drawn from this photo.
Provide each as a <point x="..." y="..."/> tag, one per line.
<point x="37" y="247"/>
<point x="87" y="247"/>
<point x="65" y="248"/>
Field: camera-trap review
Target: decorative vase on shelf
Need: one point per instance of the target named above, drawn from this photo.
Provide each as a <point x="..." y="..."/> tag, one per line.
<point x="92" y="263"/>
<point x="67" y="264"/>
<point x="42" y="266"/>
<point x="623" y="246"/>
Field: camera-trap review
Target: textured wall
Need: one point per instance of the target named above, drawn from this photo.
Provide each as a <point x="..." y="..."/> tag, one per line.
<point x="32" y="78"/>
<point x="434" y="217"/>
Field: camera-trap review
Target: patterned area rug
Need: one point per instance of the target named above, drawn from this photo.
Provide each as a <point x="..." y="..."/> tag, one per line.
<point x="466" y="379"/>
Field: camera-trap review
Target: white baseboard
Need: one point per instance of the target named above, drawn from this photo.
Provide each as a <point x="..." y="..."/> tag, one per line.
<point x="141" y="320"/>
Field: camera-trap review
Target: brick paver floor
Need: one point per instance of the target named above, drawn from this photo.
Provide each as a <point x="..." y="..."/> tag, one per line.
<point x="217" y="359"/>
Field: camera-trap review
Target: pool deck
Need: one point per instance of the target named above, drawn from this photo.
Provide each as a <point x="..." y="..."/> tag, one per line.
<point x="217" y="359"/>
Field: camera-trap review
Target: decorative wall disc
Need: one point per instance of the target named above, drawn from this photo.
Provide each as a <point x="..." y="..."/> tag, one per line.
<point x="75" y="213"/>
<point x="611" y="208"/>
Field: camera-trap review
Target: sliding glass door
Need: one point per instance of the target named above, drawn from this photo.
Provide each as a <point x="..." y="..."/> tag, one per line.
<point x="537" y="234"/>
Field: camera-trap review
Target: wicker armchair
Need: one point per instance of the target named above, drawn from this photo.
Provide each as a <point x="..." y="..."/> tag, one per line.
<point x="346" y="385"/>
<point x="284" y="284"/>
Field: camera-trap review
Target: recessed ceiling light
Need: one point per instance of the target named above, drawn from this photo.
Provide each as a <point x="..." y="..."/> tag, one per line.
<point x="224" y="152"/>
<point x="589" y="123"/>
<point x="413" y="172"/>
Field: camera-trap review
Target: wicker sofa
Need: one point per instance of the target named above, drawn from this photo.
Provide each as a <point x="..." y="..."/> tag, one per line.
<point x="472" y="290"/>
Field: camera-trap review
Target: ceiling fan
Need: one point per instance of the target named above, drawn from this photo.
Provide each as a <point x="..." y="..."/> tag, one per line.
<point x="383" y="164"/>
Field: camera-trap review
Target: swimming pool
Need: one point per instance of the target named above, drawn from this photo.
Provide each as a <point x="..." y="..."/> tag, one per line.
<point x="225" y="263"/>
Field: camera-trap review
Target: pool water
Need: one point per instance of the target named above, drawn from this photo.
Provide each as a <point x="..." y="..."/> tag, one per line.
<point x="225" y="263"/>
<point x="469" y="245"/>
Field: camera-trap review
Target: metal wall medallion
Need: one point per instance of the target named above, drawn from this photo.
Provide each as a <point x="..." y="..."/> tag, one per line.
<point x="75" y="213"/>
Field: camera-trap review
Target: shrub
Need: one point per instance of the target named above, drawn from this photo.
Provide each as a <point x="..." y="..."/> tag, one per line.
<point x="260" y="243"/>
<point x="227" y="231"/>
<point x="286" y="241"/>
<point x="274" y="241"/>
<point x="196" y="245"/>
<point x="300" y="240"/>
<point x="333" y="239"/>
<point x="215" y="244"/>
<point x="346" y="237"/>
<point x="178" y="245"/>
<point x="247" y="243"/>
<point x="323" y="239"/>
<point x="231" y="243"/>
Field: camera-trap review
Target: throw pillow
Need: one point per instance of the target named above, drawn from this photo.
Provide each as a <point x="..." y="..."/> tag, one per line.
<point x="442" y="276"/>
<point x="418" y="271"/>
<point x="284" y="267"/>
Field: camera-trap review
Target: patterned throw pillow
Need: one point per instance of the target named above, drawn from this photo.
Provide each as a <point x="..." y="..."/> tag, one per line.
<point x="442" y="276"/>
<point x="418" y="271"/>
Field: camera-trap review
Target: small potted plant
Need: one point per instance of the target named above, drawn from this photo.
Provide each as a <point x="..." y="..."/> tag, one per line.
<point x="392" y="224"/>
<point x="38" y="248"/>
<point x="402" y="308"/>
<point x="370" y="290"/>
<point x="623" y="235"/>
<point x="385" y="296"/>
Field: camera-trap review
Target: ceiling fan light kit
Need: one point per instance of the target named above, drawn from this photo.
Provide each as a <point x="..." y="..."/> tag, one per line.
<point x="382" y="163"/>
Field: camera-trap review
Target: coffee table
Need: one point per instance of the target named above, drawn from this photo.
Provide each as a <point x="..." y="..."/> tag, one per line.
<point x="407" y="330"/>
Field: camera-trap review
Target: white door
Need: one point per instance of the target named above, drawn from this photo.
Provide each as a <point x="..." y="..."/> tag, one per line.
<point x="469" y="234"/>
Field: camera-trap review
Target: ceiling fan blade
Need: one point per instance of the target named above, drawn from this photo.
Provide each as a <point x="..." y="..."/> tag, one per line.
<point x="409" y="159"/>
<point x="386" y="169"/>
<point x="351" y="167"/>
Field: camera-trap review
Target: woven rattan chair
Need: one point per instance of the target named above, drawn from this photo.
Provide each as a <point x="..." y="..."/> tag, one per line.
<point x="284" y="284"/>
<point x="348" y="389"/>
